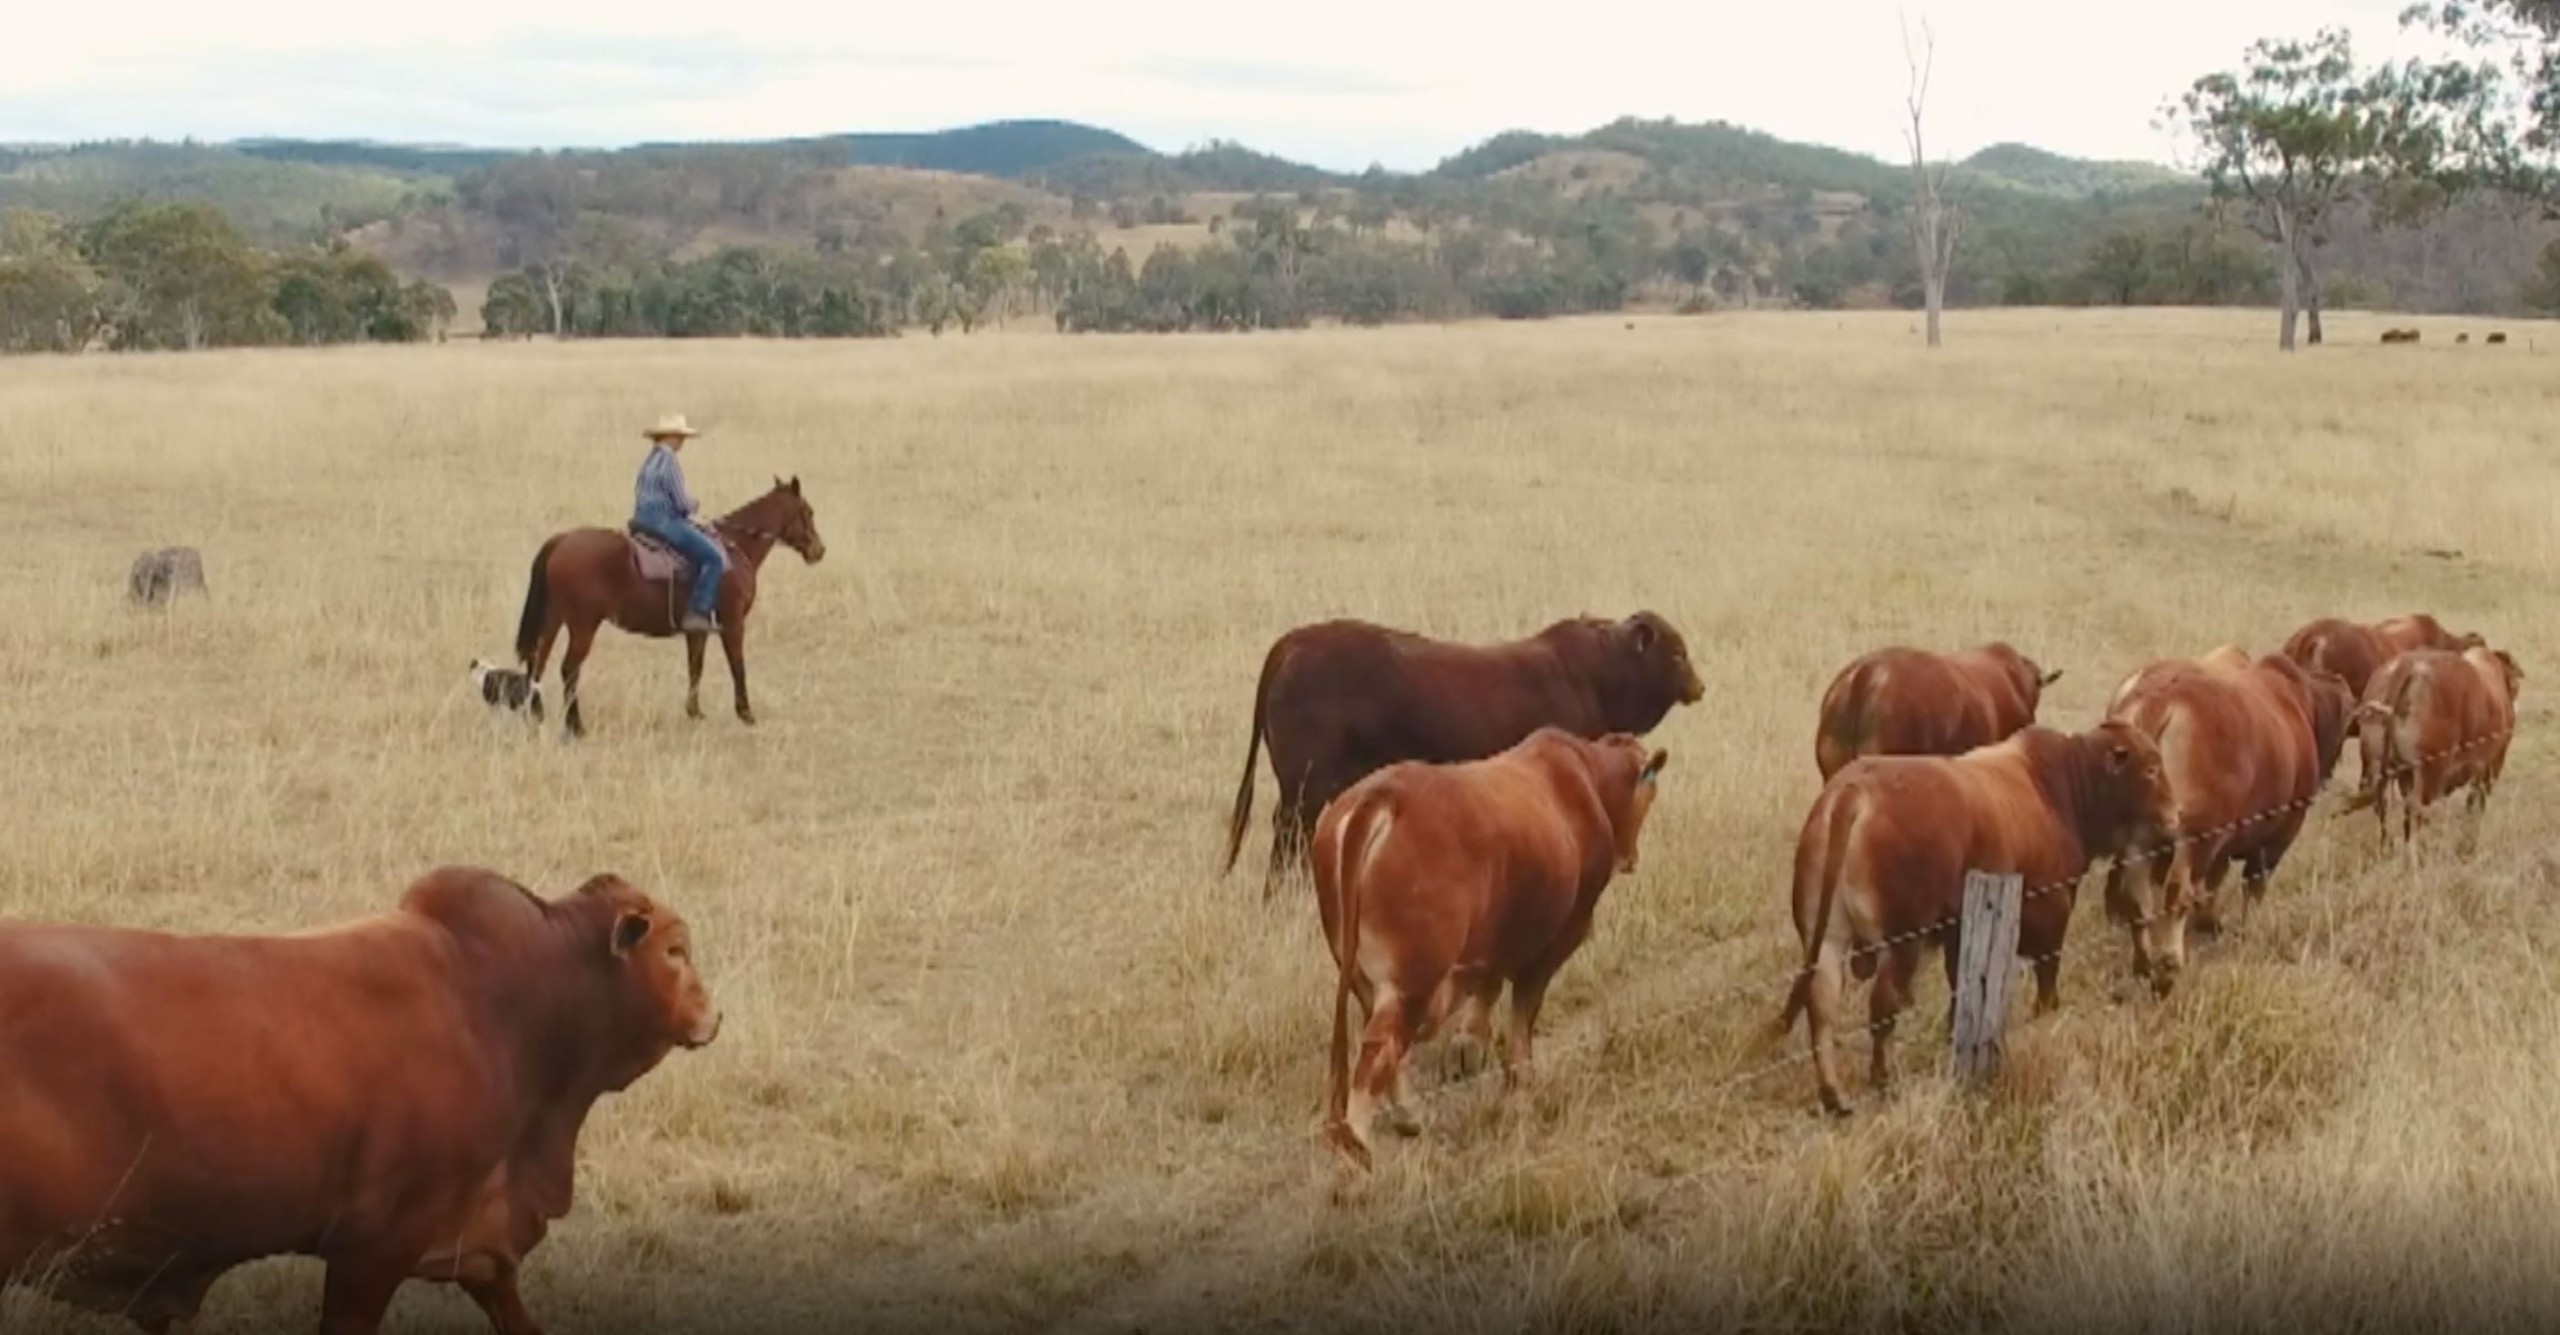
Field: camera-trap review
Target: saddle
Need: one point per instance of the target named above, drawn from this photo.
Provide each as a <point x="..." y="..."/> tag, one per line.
<point x="656" y="560"/>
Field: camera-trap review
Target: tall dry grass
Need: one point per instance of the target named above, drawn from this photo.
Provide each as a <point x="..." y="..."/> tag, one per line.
<point x="1003" y="1051"/>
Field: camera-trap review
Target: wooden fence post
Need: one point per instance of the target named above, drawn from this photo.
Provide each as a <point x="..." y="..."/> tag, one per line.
<point x="1986" y="961"/>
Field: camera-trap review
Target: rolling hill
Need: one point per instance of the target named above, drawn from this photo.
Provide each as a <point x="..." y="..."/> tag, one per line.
<point x="1634" y="210"/>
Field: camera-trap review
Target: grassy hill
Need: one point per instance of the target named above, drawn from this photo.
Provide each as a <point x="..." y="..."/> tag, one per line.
<point x="2020" y="167"/>
<point x="274" y="200"/>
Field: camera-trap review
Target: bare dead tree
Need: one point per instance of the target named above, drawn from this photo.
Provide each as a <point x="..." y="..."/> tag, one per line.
<point x="1936" y="218"/>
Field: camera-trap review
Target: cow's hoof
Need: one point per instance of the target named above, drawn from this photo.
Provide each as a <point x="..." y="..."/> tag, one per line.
<point x="1403" y="1122"/>
<point x="1349" y="1146"/>
<point x="1466" y="1058"/>
<point x="747" y="716"/>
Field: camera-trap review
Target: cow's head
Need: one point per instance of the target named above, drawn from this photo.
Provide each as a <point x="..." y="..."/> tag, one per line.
<point x="2030" y="676"/>
<point x="1659" y="659"/>
<point x="2150" y="887"/>
<point x="2370" y="721"/>
<point x="659" y="1001"/>
<point x="1629" y="778"/>
<point x="2497" y="664"/>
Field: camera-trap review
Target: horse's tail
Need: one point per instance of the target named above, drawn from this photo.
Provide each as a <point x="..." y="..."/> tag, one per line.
<point x="1243" y="812"/>
<point x="537" y="603"/>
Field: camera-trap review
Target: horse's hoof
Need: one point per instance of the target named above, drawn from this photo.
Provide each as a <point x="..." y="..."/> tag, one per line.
<point x="692" y="710"/>
<point x="747" y="716"/>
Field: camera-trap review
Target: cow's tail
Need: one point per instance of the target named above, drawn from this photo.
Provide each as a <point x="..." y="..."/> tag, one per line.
<point x="2379" y="733"/>
<point x="1243" y="812"/>
<point x="1361" y="830"/>
<point x="537" y="604"/>
<point x="1851" y="718"/>
<point x="1827" y="866"/>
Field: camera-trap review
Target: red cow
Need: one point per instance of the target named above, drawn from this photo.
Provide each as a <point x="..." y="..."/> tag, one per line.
<point x="1439" y="884"/>
<point x="1900" y="701"/>
<point x="399" y="1096"/>
<point x="1881" y="863"/>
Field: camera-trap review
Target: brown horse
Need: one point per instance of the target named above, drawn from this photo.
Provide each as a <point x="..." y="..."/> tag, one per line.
<point x="587" y="576"/>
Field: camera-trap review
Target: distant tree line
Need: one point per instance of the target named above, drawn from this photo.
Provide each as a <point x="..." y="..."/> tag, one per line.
<point x="144" y="277"/>
<point x="1276" y="262"/>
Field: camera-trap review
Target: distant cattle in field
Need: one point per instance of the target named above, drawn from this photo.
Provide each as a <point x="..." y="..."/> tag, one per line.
<point x="2496" y="338"/>
<point x="2246" y="752"/>
<point x="1881" y="860"/>
<point x="159" y="576"/>
<point x="2399" y="335"/>
<point x="2462" y="338"/>
<point x="2223" y="659"/>
<point x="2434" y="722"/>
<point x="2355" y="651"/>
<point x="399" y="1096"/>
<point x="1340" y="699"/>
<point x="1902" y="701"/>
<point x="1439" y="884"/>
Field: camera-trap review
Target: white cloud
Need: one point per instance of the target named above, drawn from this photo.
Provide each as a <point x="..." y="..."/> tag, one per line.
<point x="1343" y="82"/>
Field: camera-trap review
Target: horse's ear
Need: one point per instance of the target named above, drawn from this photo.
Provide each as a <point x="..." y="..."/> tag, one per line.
<point x="795" y="484"/>
<point x="777" y="482"/>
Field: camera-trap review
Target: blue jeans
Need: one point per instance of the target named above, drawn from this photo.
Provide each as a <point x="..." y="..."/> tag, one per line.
<point x="709" y="561"/>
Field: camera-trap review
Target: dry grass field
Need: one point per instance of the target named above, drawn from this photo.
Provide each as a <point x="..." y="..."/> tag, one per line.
<point x="1002" y="1049"/>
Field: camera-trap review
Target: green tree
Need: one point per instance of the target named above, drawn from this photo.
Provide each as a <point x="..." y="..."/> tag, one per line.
<point x="2119" y="268"/>
<point x="514" y="308"/>
<point x="2542" y="291"/>
<point x="2511" y="100"/>
<point x="179" y="276"/>
<point x="48" y="294"/>
<point x="2300" y="132"/>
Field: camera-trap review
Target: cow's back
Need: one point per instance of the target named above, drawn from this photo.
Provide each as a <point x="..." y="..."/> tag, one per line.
<point x="1917" y="824"/>
<point x="229" y="1088"/>
<point x="2354" y="653"/>
<point x="2238" y="748"/>
<point x="1902" y="701"/>
<point x="1480" y="860"/>
<point x="1364" y="696"/>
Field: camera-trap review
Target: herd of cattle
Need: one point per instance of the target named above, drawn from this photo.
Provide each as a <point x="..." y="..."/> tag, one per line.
<point x="1461" y="808"/>
<point x="401" y="1096"/>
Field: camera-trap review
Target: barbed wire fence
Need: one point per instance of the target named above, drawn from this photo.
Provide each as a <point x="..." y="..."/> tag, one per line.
<point x="1775" y="988"/>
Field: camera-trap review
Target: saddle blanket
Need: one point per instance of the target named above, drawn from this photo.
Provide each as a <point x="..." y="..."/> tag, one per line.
<point x="659" y="561"/>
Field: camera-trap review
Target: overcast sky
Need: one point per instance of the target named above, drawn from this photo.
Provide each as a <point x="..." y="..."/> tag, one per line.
<point x="1342" y="83"/>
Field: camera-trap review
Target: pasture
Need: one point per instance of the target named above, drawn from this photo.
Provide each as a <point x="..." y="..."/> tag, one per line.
<point x="1002" y="1050"/>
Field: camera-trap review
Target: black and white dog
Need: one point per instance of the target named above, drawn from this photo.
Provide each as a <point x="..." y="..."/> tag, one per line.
<point x="505" y="687"/>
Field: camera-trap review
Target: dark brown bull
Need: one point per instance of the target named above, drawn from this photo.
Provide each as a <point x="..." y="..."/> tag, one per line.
<point x="1340" y="699"/>
<point x="1901" y="701"/>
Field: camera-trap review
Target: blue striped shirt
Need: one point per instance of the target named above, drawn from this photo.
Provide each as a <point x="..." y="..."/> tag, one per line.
<point x="661" y="498"/>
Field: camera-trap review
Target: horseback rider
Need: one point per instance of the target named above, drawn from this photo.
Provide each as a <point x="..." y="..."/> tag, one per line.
<point x="664" y="509"/>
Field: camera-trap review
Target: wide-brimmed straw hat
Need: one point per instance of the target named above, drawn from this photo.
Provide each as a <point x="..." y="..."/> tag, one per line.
<point x="673" y="424"/>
